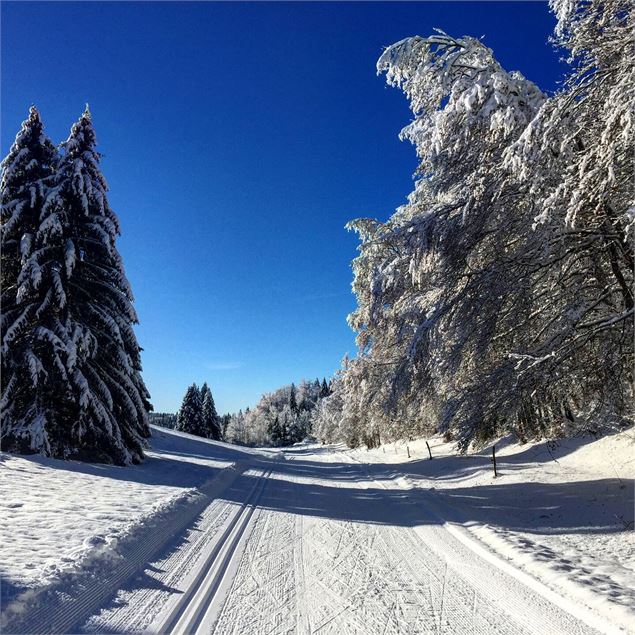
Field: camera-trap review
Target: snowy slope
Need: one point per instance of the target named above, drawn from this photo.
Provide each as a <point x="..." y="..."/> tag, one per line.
<point x="56" y="516"/>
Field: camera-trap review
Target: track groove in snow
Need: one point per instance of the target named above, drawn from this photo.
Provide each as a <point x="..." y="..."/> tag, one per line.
<point x="197" y="609"/>
<point x="65" y="605"/>
<point x="319" y="544"/>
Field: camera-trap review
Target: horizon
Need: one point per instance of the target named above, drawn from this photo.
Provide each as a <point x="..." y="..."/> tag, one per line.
<point x="229" y="287"/>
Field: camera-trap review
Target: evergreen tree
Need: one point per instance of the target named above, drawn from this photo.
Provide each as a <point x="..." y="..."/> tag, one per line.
<point x="225" y="420"/>
<point x="78" y="390"/>
<point x="33" y="355"/>
<point x="211" y="420"/>
<point x="274" y="431"/>
<point x="26" y="173"/>
<point x="325" y="391"/>
<point x="293" y="404"/>
<point x="114" y="402"/>
<point x="190" y="417"/>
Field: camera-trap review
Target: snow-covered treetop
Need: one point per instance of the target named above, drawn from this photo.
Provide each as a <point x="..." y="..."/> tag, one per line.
<point x="458" y="92"/>
<point x="30" y="157"/>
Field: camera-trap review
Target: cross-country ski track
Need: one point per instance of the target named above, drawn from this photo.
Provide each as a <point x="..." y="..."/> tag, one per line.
<point x="309" y="540"/>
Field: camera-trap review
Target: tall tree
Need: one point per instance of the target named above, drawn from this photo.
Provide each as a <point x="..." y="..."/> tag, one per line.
<point x="293" y="403"/>
<point x="211" y="420"/>
<point x="34" y="339"/>
<point x="190" y="417"/>
<point x="114" y="402"/>
<point x="500" y="296"/>
<point x="85" y="397"/>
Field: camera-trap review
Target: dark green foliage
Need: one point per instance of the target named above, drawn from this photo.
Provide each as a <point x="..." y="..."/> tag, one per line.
<point x="190" y="417"/>
<point x="72" y="384"/>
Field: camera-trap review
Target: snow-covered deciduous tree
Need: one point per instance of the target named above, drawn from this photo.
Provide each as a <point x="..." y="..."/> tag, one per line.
<point x="73" y="375"/>
<point x="484" y="302"/>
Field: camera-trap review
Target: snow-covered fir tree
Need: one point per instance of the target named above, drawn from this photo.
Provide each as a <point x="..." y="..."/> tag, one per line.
<point x="73" y="373"/>
<point x="29" y="393"/>
<point x="190" y="416"/>
<point x="211" y="420"/>
<point x="26" y="173"/>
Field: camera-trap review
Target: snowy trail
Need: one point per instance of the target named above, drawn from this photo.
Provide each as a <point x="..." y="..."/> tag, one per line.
<point x="314" y="544"/>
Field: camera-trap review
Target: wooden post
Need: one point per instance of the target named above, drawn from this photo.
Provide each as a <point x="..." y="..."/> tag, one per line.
<point x="429" y="450"/>
<point x="408" y="450"/>
<point x="494" y="459"/>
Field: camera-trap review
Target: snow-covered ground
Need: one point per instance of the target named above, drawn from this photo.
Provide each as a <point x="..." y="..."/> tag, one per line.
<point x="562" y="511"/>
<point x="206" y="537"/>
<point x="56" y="516"/>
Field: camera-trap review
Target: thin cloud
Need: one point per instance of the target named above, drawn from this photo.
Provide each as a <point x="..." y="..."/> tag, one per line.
<point x="223" y="365"/>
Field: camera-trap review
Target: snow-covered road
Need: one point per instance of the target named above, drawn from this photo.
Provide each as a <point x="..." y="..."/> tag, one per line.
<point x="308" y="541"/>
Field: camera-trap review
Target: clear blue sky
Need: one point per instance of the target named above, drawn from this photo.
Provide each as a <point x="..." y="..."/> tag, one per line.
<point x="238" y="139"/>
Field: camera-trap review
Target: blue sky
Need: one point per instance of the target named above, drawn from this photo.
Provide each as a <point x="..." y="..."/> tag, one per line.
<point x="238" y="139"/>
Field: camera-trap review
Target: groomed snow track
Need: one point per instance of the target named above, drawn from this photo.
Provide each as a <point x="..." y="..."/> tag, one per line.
<point x="199" y="606"/>
<point x="318" y="543"/>
<point x="64" y="606"/>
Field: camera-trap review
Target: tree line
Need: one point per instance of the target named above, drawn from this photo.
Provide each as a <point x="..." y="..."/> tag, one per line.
<point x="282" y="417"/>
<point x="500" y="296"/>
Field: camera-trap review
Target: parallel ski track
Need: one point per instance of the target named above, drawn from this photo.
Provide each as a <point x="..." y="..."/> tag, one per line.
<point x="66" y="607"/>
<point x="264" y="594"/>
<point x="197" y="609"/>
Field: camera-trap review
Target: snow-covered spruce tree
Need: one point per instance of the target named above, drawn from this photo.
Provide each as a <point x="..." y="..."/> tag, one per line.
<point x="113" y="399"/>
<point x="29" y="393"/>
<point x="26" y="172"/>
<point x="211" y="420"/>
<point x="79" y="388"/>
<point x="190" y="416"/>
<point x="293" y="404"/>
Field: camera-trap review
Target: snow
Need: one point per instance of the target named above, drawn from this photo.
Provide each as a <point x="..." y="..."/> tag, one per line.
<point x="208" y="537"/>
<point x="54" y="514"/>
<point x="562" y="511"/>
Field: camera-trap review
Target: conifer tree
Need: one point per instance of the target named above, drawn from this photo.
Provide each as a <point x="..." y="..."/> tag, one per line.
<point x="293" y="404"/>
<point x="114" y="402"/>
<point x="211" y="420"/>
<point x="190" y="417"/>
<point x="26" y="172"/>
<point x="324" y="390"/>
<point x="274" y="430"/>
<point x="33" y="355"/>
<point x="82" y="395"/>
